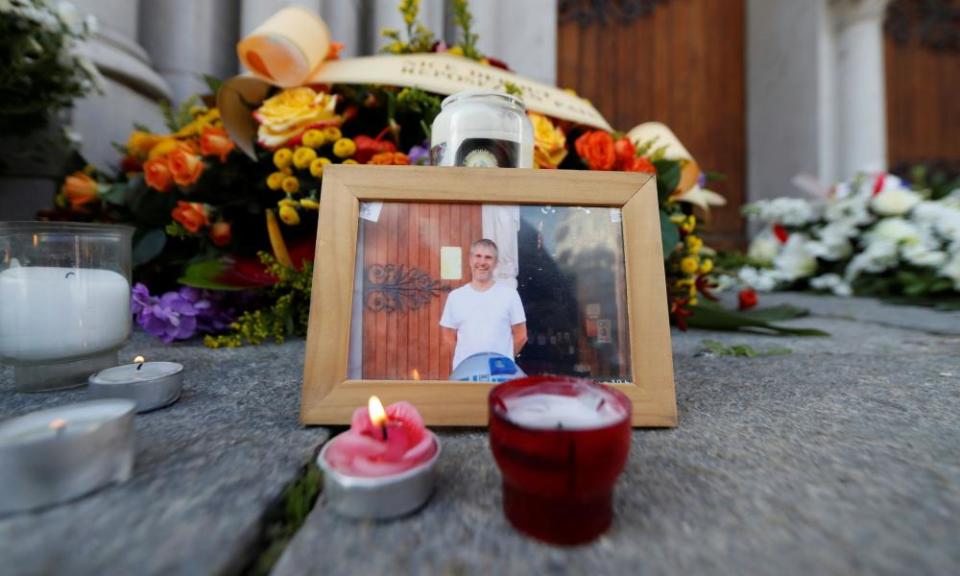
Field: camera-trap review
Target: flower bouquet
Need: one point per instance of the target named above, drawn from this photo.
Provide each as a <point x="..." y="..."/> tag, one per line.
<point x="230" y="209"/>
<point x="874" y="235"/>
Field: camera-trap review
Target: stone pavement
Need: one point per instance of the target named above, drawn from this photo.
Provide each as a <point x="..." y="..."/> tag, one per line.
<point x="841" y="457"/>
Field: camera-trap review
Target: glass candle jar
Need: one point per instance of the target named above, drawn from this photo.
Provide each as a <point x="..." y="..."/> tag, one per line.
<point x="482" y="128"/>
<point x="64" y="300"/>
<point x="560" y="444"/>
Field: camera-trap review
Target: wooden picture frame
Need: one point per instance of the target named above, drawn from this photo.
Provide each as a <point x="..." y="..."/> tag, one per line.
<point x="329" y="397"/>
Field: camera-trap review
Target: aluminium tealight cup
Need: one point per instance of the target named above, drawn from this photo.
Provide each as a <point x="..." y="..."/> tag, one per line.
<point x="380" y="498"/>
<point x="151" y="392"/>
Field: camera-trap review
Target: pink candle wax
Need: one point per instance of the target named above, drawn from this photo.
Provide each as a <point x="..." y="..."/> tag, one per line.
<point x="370" y="450"/>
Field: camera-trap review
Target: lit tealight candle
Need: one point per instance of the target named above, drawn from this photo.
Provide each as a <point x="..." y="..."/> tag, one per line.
<point x="151" y="385"/>
<point x="383" y="466"/>
<point x="52" y="456"/>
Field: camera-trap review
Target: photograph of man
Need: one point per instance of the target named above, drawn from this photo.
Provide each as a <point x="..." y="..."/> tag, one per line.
<point x="484" y="315"/>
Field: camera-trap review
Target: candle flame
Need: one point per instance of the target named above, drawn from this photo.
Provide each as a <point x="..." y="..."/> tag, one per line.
<point x="58" y="424"/>
<point x="377" y="414"/>
<point x="139" y="360"/>
<point x="36" y="240"/>
<point x="415" y="374"/>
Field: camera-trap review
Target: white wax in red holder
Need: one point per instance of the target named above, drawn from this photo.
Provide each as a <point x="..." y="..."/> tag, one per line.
<point x="372" y="450"/>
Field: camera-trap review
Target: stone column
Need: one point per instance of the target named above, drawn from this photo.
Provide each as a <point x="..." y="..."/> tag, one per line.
<point x="189" y="39"/>
<point x="522" y="34"/>
<point x="861" y="112"/>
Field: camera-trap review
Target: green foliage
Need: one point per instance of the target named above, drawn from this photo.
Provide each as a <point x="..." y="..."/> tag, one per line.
<point x="669" y="234"/>
<point x="720" y="349"/>
<point x="41" y="73"/>
<point x="464" y="20"/>
<point x="513" y="89"/>
<point x="419" y="37"/>
<point x="668" y="177"/>
<point x="286" y="313"/>
<point x="297" y="502"/>
<point x="713" y="316"/>
<point x="175" y="119"/>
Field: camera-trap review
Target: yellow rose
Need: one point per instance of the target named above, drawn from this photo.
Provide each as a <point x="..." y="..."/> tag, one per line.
<point x="549" y="142"/>
<point x="344" y="148"/>
<point x="316" y="167"/>
<point x="275" y="180"/>
<point x="314" y="138"/>
<point x="292" y="111"/>
<point x="303" y="157"/>
<point x="165" y="146"/>
<point x="290" y="185"/>
<point x="282" y="158"/>
<point x="140" y="143"/>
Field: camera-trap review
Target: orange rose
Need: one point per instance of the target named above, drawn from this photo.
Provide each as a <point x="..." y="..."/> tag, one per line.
<point x="597" y="149"/>
<point x="640" y="164"/>
<point x="220" y="233"/>
<point x="191" y="215"/>
<point x="157" y="174"/>
<point x="215" y="142"/>
<point x="80" y="189"/>
<point x="390" y="158"/>
<point x="185" y="166"/>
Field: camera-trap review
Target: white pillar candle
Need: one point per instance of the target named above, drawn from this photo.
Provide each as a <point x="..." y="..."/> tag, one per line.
<point x="57" y="313"/>
<point x="549" y="411"/>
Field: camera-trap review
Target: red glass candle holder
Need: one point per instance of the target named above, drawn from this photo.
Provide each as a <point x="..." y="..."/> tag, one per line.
<point x="559" y="462"/>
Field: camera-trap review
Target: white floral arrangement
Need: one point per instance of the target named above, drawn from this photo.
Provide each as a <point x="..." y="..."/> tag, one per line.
<point x="873" y="235"/>
<point x="42" y="70"/>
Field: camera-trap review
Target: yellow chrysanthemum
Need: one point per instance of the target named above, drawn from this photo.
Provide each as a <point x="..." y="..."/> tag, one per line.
<point x="316" y="167"/>
<point x="303" y="157"/>
<point x="349" y="161"/>
<point x="309" y="203"/>
<point x="344" y="148"/>
<point x="289" y="215"/>
<point x="332" y="134"/>
<point x="290" y="185"/>
<point x="314" y="138"/>
<point x="689" y="265"/>
<point x="282" y="158"/>
<point x="275" y="180"/>
<point x="694" y="243"/>
<point x="706" y="266"/>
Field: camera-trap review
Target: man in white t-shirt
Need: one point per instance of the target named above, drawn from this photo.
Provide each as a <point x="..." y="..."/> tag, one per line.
<point x="484" y="316"/>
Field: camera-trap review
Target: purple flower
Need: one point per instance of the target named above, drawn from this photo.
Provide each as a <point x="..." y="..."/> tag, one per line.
<point x="178" y="315"/>
<point x="420" y="155"/>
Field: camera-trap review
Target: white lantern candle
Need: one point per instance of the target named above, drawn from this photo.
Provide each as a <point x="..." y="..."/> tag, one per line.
<point x="52" y="456"/>
<point x="51" y="313"/>
<point x="550" y="411"/>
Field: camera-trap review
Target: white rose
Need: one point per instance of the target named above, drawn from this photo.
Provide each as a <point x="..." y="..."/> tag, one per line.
<point x="764" y="248"/>
<point x="894" y="201"/>
<point x="921" y="255"/>
<point x="759" y="280"/>
<point x="795" y="261"/>
<point x="851" y="210"/>
<point x="895" y="230"/>
<point x="952" y="271"/>
<point x="879" y="255"/>
<point x="833" y="283"/>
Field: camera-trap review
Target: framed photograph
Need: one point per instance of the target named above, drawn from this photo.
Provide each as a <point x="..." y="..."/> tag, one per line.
<point x="433" y="284"/>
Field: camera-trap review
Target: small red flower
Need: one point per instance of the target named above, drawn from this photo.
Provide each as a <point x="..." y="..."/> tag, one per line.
<point x="625" y="151"/>
<point x="747" y="298"/>
<point x="878" y="184"/>
<point x="781" y="233"/>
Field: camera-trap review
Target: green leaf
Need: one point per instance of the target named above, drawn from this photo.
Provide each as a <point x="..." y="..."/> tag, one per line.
<point x="669" y="234"/>
<point x="775" y="313"/>
<point x="115" y="193"/>
<point x="668" y="177"/>
<point x="149" y="246"/>
<point x="213" y="83"/>
<point x="206" y="274"/>
<point x="715" y="317"/>
<point x="720" y="349"/>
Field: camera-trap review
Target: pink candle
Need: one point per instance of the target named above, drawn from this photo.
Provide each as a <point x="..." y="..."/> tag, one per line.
<point x="382" y="443"/>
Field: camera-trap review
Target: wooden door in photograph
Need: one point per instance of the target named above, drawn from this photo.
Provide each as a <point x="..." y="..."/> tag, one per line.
<point x="680" y="62"/>
<point x="922" y="59"/>
<point x="403" y="293"/>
